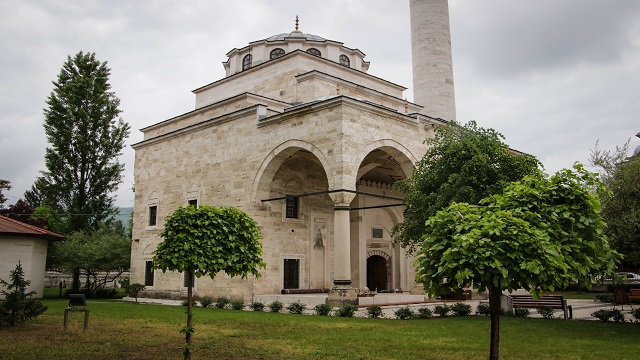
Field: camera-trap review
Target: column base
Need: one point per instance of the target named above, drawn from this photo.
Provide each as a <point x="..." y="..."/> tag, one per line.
<point x="342" y="293"/>
<point x="418" y="289"/>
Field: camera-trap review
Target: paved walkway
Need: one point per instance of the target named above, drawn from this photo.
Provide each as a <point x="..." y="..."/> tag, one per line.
<point x="582" y="309"/>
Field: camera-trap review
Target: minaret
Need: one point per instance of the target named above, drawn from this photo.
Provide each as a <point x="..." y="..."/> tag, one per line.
<point x="431" y="56"/>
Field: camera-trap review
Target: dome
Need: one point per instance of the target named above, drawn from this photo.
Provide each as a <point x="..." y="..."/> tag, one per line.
<point x="295" y="35"/>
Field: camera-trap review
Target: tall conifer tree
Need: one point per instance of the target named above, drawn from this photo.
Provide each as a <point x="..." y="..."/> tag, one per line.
<point x="86" y="136"/>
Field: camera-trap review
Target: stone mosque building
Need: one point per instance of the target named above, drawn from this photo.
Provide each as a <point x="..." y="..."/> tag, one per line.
<point x="302" y="138"/>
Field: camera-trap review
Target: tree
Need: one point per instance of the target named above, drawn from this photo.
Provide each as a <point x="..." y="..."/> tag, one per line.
<point x="100" y="256"/>
<point x="23" y="212"/>
<point x="33" y="196"/>
<point x="86" y="135"/>
<point x="621" y="201"/>
<point x="18" y="306"/>
<point x="540" y="233"/>
<point x="205" y="241"/>
<point x="463" y="164"/>
<point x="4" y="185"/>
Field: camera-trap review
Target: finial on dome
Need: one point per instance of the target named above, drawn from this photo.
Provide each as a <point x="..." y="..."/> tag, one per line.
<point x="297" y="22"/>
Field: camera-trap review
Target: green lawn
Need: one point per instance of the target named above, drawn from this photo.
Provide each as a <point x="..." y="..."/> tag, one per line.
<point x="120" y="330"/>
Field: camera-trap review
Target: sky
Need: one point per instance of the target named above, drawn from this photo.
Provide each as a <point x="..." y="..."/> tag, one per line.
<point x="553" y="76"/>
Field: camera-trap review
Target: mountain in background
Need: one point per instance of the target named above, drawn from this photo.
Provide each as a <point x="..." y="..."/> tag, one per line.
<point x="124" y="214"/>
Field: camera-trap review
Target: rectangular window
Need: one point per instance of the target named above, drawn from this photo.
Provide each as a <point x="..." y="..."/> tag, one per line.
<point x="153" y="215"/>
<point x="148" y="273"/>
<point x="185" y="280"/>
<point x="377" y="233"/>
<point x="193" y="202"/>
<point x="292" y="207"/>
<point x="291" y="273"/>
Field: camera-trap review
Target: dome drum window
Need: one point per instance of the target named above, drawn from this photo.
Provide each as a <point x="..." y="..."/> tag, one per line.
<point x="276" y="53"/>
<point x="314" y="52"/>
<point x="344" y="61"/>
<point x="246" y="62"/>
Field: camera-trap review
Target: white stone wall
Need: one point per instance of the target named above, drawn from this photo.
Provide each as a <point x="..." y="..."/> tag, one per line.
<point x="31" y="253"/>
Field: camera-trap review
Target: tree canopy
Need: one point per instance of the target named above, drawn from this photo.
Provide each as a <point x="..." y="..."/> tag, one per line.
<point x="540" y="233"/>
<point x="463" y="164"/>
<point x="621" y="201"/>
<point x="86" y="136"/>
<point x="4" y="185"/>
<point x="205" y="241"/>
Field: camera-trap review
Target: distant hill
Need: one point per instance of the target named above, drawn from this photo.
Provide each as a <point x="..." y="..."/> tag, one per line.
<point x="124" y="215"/>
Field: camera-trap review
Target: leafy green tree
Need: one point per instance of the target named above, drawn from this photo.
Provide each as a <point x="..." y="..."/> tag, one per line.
<point x="23" y="212"/>
<point x="4" y="185"/>
<point x="100" y="256"/>
<point x="86" y="136"/>
<point x="540" y="233"/>
<point x="463" y="164"/>
<point x="205" y="241"/>
<point x="621" y="203"/>
<point x="33" y="196"/>
<point x="18" y="306"/>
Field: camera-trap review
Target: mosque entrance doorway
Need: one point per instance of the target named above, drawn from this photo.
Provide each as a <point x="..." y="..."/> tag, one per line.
<point x="376" y="273"/>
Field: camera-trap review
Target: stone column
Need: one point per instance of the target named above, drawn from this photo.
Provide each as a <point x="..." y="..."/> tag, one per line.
<point x="342" y="291"/>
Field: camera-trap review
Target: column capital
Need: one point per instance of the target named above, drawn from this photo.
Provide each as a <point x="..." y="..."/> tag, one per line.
<point x="342" y="199"/>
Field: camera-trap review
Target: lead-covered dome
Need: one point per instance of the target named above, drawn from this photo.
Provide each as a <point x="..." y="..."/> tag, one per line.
<point x="296" y="34"/>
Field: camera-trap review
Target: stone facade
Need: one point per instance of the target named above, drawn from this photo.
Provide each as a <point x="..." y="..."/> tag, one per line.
<point x="309" y="146"/>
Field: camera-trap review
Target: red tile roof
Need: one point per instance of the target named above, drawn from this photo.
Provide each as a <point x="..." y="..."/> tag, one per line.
<point x="10" y="226"/>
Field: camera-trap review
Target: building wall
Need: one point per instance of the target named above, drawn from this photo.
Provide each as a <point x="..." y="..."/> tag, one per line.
<point x="31" y="253"/>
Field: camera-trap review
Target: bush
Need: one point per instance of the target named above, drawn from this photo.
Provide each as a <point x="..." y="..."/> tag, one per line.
<point x="221" y="302"/>
<point x="605" y="315"/>
<point x="374" y="312"/>
<point x="184" y="303"/>
<point x="105" y="293"/>
<point x="256" y="306"/>
<point x="237" y="304"/>
<point x="636" y="314"/>
<point x="545" y="311"/>
<point x="424" y="313"/>
<point x="134" y="290"/>
<point x="206" y="302"/>
<point x="604" y="298"/>
<point x="124" y="283"/>
<point x="276" y="306"/>
<point x="347" y="310"/>
<point x="461" y="309"/>
<point x="442" y="310"/>
<point x="404" y="313"/>
<point x="483" y="309"/>
<point x="521" y="312"/>
<point x="323" y="309"/>
<point x="18" y="307"/>
<point x="296" y="307"/>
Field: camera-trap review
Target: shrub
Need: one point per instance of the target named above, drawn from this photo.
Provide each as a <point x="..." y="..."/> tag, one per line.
<point x="296" y="307"/>
<point x="461" y="309"/>
<point x="105" y="293"/>
<point x="521" y="312"/>
<point x="276" y="306"/>
<point x="256" y="306"/>
<point x="605" y="315"/>
<point x="374" y="312"/>
<point x="206" y="302"/>
<point x="545" y="311"/>
<point x="424" y="313"/>
<point x="483" y="309"/>
<point x="323" y="309"/>
<point x="604" y="298"/>
<point x="124" y="283"/>
<point x="18" y="307"/>
<point x="134" y="290"/>
<point x="442" y="310"/>
<point x="404" y="313"/>
<point x="618" y="316"/>
<point x="237" y="304"/>
<point x="636" y="314"/>
<point x="185" y="303"/>
<point x="347" y="310"/>
<point x="221" y="302"/>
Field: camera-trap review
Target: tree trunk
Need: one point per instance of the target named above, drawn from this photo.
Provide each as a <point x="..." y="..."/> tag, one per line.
<point x="187" y="350"/>
<point x="494" y="303"/>
<point x="75" y="283"/>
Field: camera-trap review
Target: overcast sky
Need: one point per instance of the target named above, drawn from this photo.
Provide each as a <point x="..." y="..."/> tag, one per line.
<point x="554" y="76"/>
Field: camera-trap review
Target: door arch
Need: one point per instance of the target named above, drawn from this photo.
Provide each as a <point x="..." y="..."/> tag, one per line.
<point x="377" y="273"/>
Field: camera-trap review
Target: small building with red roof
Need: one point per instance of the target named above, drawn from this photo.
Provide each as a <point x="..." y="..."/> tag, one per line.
<point x="27" y="244"/>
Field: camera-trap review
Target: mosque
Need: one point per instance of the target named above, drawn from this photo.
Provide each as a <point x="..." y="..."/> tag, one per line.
<point x="302" y="138"/>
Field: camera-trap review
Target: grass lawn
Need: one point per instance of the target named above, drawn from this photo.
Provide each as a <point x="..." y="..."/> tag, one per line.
<point x="120" y="330"/>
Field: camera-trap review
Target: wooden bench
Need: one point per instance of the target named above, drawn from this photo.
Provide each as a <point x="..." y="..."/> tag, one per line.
<point x="635" y="294"/>
<point x="552" y="301"/>
<point x="305" y="291"/>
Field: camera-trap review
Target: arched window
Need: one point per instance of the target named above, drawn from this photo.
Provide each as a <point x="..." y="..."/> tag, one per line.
<point x="314" y="52"/>
<point x="276" y="53"/>
<point x="246" y="62"/>
<point x="344" y="61"/>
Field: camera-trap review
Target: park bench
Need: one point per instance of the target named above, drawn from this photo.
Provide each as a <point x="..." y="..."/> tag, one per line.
<point x="553" y="301"/>
<point x="635" y="294"/>
<point x="305" y="291"/>
<point x="77" y="303"/>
